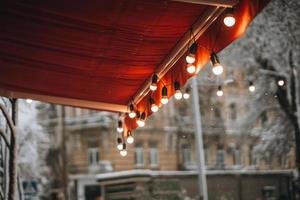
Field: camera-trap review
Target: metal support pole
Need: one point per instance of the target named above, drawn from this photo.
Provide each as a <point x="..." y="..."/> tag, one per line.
<point x="64" y="154"/>
<point x="13" y="154"/>
<point x="202" y="185"/>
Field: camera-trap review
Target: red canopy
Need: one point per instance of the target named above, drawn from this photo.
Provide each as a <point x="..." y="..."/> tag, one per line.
<point x="101" y="54"/>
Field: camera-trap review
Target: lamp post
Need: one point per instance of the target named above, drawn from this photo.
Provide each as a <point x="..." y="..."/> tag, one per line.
<point x="202" y="185"/>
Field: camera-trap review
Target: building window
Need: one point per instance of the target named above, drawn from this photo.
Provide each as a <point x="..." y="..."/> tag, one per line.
<point x="220" y="158"/>
<point x="254" y="157"/>
<point x="232" y="111"/>
<point x="139" y="155"/>
<point x="186" y="155"/>
<point x="78" y="112"/>
<point x="93" y="153"/>
<point x="236" y="156"/>
<point x="153" y="154"/>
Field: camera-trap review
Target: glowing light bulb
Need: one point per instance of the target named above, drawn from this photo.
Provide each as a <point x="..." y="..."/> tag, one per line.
<point x="229" y="20"/>
<point x="153" y="85"/>
<point x="186" y="95"/>
<point x="190" y="58"/>
<point x="120" y="129"/>
<point x="123" y="152"/>
<point x="120" y="126"/>
<point x="141" y="120"/>
<point x="132" y="113"/>
<point x="154" y="108"/>
<point x="191" y="68"/>
<point x="164" y="94"/>
<point x="29" y="101"/>
<point x="280" y="82"/>
<point x="220" y="91"/>
<point x="217" y="69"/>
<point x="178" y="95"/>
<point x="130" y="139"/>
<point x="140" y="123"/>
<point x="164" y="100"/>
<point x="119" y="144"/>
<point x="251" y="88"/>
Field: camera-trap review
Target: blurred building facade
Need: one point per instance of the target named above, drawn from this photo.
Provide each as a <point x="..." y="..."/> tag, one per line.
<point x="84" y="141"/>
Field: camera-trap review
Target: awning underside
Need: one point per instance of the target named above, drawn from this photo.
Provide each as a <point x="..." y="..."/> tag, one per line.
<point x="99" y="54"/>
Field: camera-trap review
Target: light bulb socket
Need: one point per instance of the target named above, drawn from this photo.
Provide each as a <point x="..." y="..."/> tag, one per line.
<point x="151" y="101"/>
<point x="131" y="107"/>
<point x="129" y="133"/>
<point x="154" y="79"/>
<point x="120" y="124"/>
<point x="143" y="116"/>
<point x="124" y="146"/>
<point x="219" y="87"/>
<point x="176" y="85"/>
<point x="164" y="91"/>
<point x="138" y="115"/>
<point x="214" y="59"/>
<point x="229" y="11"/>
<point x="187" y="90"/>
<point x="250" y="83"/>
<point x="193" y="48"/>
<point x="119" y="140"/>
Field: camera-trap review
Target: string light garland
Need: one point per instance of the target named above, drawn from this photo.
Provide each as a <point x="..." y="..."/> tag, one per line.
<point x="153" y="85"/>
<point x="220" y="91"/>
<point x="229" y="19"/>
<point x="251" y="86"/>
<point x="217" y="68"/>
<point x="130" y="138"/>
<point x="153" y="106"/>
<point x="132" y="113"/>
<point x="178" y="94"/>
<point x="164" y="94"/>
<point x="186" y="94"/>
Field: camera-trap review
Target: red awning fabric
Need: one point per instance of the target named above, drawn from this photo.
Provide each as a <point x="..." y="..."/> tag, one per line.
<point x="98" y="54"/>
